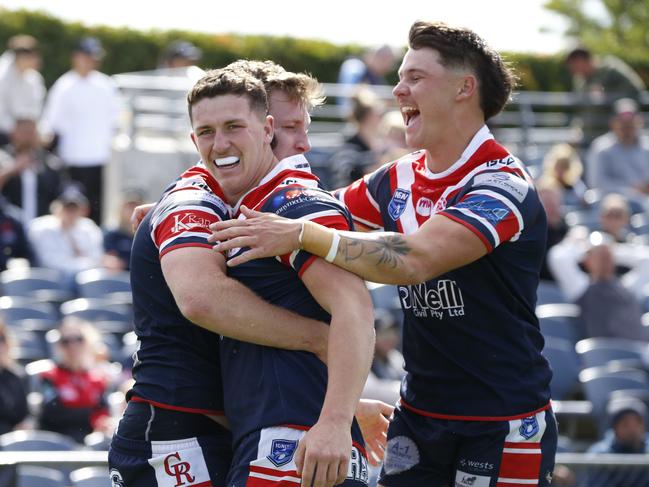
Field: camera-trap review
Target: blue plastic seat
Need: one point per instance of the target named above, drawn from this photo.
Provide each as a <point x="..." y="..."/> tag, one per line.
<point x="598" y="351"/>
<point x="565" y="366"/>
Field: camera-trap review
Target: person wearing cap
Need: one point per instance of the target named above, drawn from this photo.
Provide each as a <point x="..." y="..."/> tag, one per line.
<point x="598" y="82"/>
<point x="628" y="435"/>
<point x="180" y="54"/>
<point x="618" y="161"/>
<point x="65" y="239"/>
<point x="22" y="89"/>
<point x="82" y="111"/>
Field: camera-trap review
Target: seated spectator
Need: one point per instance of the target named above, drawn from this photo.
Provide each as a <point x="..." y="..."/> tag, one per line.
<point x="392" y="133"/>
<point x="180" y="54"/>
<point x="22" y="89"/>
<point x="615" y="217"/>
<point x="13" y="397"/>
<point x="608" y="308"/>
<point x="66" y="239"/>
<point x="74" y="390"/>
<point x="562" y="167"/>
<point x="550" y="196"/>
<point x="14" y="243"/>
<point x="628" y="435"/>
<point x="618" y="161"/>
<point x="30" y="175"/>
<point x="388" y="360"/>
<point x="118" y="240"/>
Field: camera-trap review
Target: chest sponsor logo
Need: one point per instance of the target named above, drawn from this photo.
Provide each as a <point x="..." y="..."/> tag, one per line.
<point x="443" y="301"/>
<point x="397" y="204"/>
<point x="510" y="183"/>
<point x="180" y="470"/>
<point x="187" y="221"/>
<point x="424" y="206"/>
<point x="440" y="205"/>
<point x="282" y="451"/>
<point x="529" y="427"/>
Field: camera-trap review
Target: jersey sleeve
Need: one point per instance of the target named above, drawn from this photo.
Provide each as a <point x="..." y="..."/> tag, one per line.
<point x="360" y="198"/>
<point x="496" y="207"/>
<point x="313" y="205"/>
<point x="182" y="219"/>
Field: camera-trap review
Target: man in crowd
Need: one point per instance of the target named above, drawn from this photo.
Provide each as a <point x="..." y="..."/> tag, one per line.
<point x="468" y="241"/>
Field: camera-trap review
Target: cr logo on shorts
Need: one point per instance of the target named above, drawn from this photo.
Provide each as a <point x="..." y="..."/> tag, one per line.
<point x="178" y="469"/>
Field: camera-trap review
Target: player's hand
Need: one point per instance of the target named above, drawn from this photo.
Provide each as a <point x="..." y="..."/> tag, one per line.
<point x="139" y="213"/>
<point x="373" y="419"/>
<point x="266" y="234"/>
<point x="322" y="457"/>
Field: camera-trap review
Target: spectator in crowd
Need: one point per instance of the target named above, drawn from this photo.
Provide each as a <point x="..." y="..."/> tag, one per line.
<point x="615" y="216"/>
<point x="82" y="111"/>
<point x="65" y="239"/>
<point x="562" y="167"/>
<point x="388" y="361"/>
<point x="119" y="239"/>
<point x="618" y="161"/>
<point x="30" y="175"/>
<point x="627" y="436"/>
<point x="74" y="389"/>
<point x="180" y="54"/>
<point x="13" y="397"/>
<point x="22" y="89"/>
<point x="392" y="133"/>
<point x="13" y="238"/>
<point x="607" y="307"/>
<point x="375" y="64"/>
<point x="550" y="196"/>
<point x="599" y="82"/>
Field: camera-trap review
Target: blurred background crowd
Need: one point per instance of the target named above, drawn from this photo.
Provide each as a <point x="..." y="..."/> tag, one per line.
<point x="79" y="153"/>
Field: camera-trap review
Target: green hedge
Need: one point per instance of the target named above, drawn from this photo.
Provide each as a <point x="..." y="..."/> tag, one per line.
<point x="130" y="50"/>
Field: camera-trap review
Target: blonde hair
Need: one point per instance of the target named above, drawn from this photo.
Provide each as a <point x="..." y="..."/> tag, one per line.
<point x="563" y="154"/>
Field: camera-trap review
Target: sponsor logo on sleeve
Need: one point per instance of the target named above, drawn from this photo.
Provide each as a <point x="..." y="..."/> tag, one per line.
<point x="510" y="183"/>
<point x="397" y="204"/>
<point x="187" y="221"/>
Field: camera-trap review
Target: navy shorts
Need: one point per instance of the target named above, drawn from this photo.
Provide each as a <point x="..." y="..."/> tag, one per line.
<point x="424" y="451"/>
<point x="265" y="458"/>
<point x="142" y="454"/>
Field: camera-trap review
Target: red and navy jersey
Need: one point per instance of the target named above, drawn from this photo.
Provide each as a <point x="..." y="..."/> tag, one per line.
<point x="177" y="365"/>
<point x="472" y="344"/>
<point x="267" y="386"/>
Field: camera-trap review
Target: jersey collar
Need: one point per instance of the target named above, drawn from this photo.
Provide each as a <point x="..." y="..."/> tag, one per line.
<point x="478" y="139"/>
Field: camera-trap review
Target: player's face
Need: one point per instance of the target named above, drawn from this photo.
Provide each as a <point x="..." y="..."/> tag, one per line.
<point x="426" y="93"/>
<point x="233" y="141"/>
<point x="291" y="126"/>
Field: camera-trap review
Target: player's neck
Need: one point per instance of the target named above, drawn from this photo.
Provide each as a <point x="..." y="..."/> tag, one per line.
<point x="448" y="146"/>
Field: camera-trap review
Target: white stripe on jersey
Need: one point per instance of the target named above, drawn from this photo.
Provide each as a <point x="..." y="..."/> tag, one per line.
<point x="183" y="235"/>
<point x="484" y="221"/>
<point x="405" y="180"/>
<point x="507" y="202"/>
<point x="321" y="214"/>
<point x="366" y="223"/>
<point x="503" y="480"/>
<point x="369" y="195"/>
<point x="274" y="478"/>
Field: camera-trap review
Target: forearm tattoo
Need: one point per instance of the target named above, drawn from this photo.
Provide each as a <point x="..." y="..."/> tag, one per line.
<point x="388" y="250"/>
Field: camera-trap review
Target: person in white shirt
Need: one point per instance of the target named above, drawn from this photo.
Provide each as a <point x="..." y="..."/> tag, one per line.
<point x="82" y="110"/>
<point x="66" y="240"/>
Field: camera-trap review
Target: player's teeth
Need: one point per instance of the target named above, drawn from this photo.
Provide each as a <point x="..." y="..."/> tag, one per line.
<point x="226" y="161"/>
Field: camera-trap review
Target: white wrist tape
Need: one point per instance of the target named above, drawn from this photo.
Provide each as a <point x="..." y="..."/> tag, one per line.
<point x="301" y="235"/>
<point x="333" y="250"/>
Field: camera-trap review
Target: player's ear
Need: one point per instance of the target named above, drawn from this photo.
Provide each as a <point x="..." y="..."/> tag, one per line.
<point x="269" y="129"/>
<point x="467" y="86"/>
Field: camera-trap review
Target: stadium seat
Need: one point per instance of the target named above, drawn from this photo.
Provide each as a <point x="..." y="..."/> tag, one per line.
<point x="45" y="285"/>
<point x="101" y="283"/>
<point x="549" y="292"/>
<point x="14" y="308"/>
<point x="385" y="296"/>
<point x="96" y="309"/>
<point x="36" y="440"/>
<point x="560" y="320"/>
<point x="565" y="366"/>
<point x="90" y="477"/>
<point x="598" y="351"/>
<point x="37" y="476"/>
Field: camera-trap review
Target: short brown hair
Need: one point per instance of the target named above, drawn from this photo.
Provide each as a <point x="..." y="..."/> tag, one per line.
<point x="220" y="82"/>
<point x="261" y="70"/>
<point x="463" y="48"/>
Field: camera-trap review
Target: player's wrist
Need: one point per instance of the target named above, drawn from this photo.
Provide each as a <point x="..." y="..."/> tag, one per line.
<point x="319" y="240"/>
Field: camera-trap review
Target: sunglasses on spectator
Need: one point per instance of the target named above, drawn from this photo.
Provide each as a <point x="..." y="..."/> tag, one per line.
<point x="71" y="339"/>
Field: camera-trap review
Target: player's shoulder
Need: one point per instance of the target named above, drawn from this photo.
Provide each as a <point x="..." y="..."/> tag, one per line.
<point x="293" y="199"/>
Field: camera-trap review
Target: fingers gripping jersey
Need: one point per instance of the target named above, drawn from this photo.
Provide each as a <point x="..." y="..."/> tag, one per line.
<point x="472" y="344"/>
<point x="177" y="365"/>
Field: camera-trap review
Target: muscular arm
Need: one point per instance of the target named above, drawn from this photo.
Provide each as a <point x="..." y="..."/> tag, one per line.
<point x="207" y="297"/>
<point x="351" y="345"/>
<point x="438" y="246"/>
